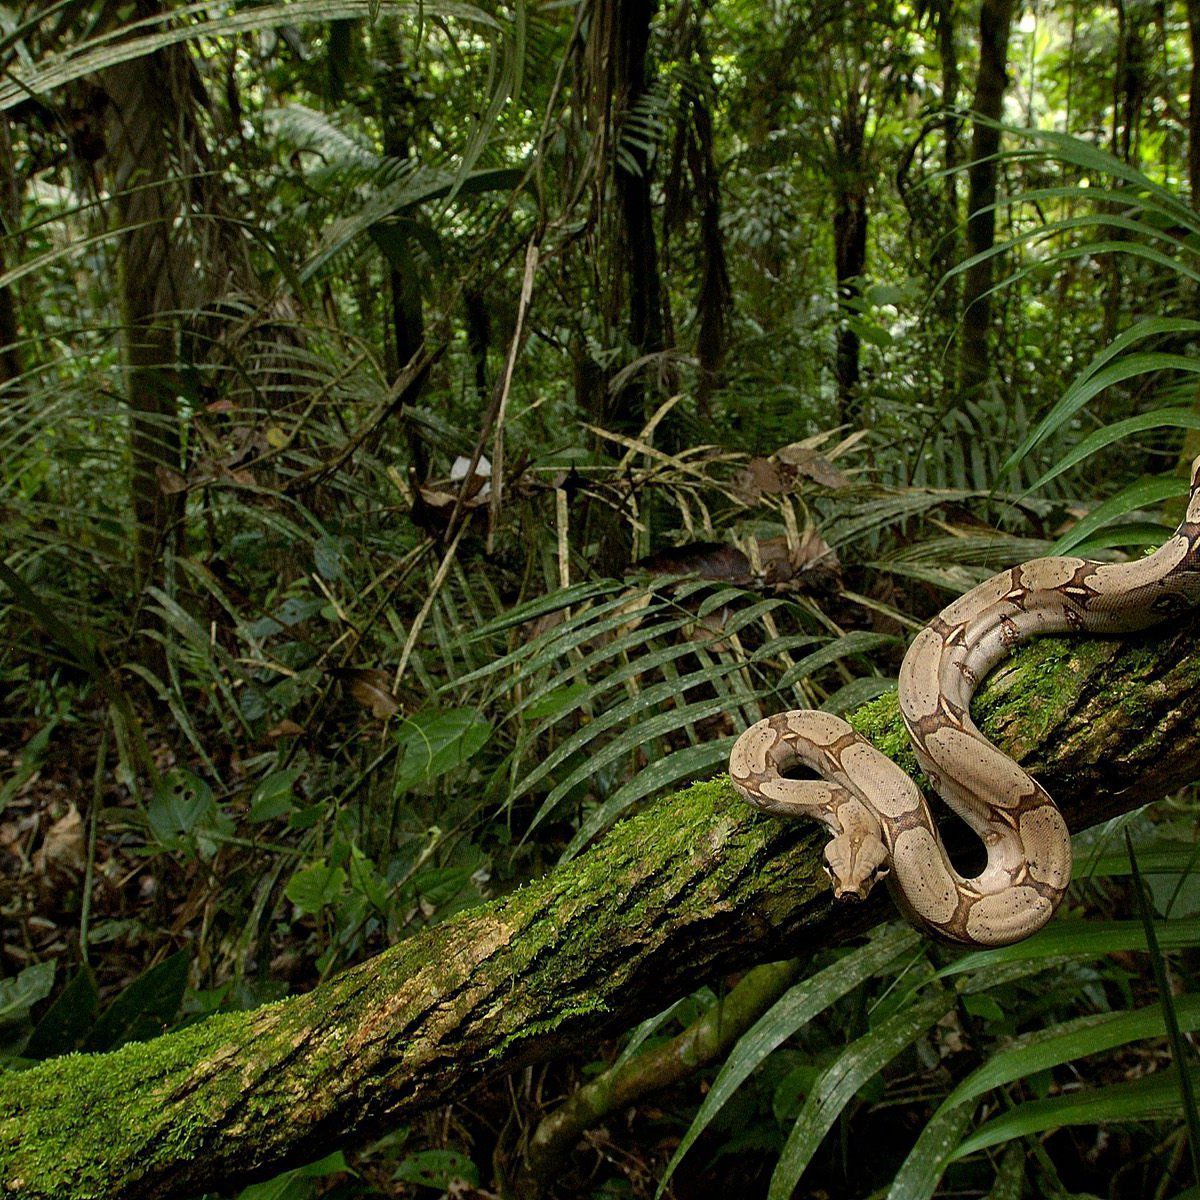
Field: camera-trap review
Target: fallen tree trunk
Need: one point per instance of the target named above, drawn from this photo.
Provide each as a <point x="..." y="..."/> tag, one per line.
<point x="694" y="886"/>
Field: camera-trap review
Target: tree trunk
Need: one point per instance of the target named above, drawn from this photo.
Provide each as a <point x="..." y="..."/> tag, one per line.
<point x="614" y="83"/>
<point x="397" y="108"/>
<point x="995" y="19"/>
<point x="156" y="285"/>
<point x="176" y="252"/>
<point x="946" y="252"/>
<point x="10" y="220"/>
<point x="692" y="188"/>
<point x="849" y="246"/>
<point x="618" y="41"/>
<point x="695" y="886"/>
<point x="479" y="337"/>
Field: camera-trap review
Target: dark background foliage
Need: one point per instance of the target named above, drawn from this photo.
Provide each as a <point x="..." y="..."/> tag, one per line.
<point x="429" y="430"/>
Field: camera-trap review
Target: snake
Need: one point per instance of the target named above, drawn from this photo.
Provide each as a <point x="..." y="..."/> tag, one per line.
<point x="882" y="826"/>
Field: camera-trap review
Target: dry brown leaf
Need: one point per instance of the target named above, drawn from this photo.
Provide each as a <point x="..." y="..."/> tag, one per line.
<point x="813" y="465"/>
<point x="285" y="728"/>
<point x="243" y="477"/>
<point x="780" y="474"/>
<point x="170" y="482"/>
<point x="811" y="565"/>
<point x="371" y="688"/>
<point x="760" y="477"/>
<point x="64" y="846"/>
<point x="708" y="560"/>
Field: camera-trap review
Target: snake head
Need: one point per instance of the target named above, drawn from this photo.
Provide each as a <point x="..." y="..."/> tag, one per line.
<point x="855" y="863"/>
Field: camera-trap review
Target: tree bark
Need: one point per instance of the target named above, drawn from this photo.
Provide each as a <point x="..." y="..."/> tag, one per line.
<point x="11" y="364"/>
<point x="694" y="886"/>
<point x="692" y="190"/>
<point x="995" y="20"/>
<point x="946" y="252"/>
<point x="849" y="244"/>
<point x="618" y="42"/>
<point x="149" y="102"/>
<point x="399" y="103"/>
<point x="479" y="337"/>
<point x="176" y="253"/>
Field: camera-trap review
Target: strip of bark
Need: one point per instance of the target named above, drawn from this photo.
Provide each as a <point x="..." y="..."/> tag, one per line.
<point x="694" y="886"/>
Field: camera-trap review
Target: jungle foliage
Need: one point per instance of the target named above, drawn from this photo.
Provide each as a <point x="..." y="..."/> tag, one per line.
<point x="431" y="429"/>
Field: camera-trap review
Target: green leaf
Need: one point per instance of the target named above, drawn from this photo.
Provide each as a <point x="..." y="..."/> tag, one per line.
<point x="1160" y="418"/>
<point x="329" y="555"/>
<point x="1080" y="939"/>
<point x="439" y="885"/>
<point x="542" y="606"/>
<point x="1098" y="375"/>
<point x="555" y="703"/>
<point x="31" y="758"/>
<point x="862" y="1060"/>
<point x="1127" y="535"/>
<point x="921" y="1171"/>
<point x="637" y="652"/>
<point x="872" y="334"/>
<point x="367" y="881"/>
<point x="99" y="53"/>
<point x="437" y="741"/>
<point x="146" y="1008"/>
<point x="856" y="693"/>
<point x="437" y="1169"/>
<point x="1051" y="1047"/>
<point x="1167" y="858"/>
<point x="66" y="1024"/>
<point x="650" y="699"/>
<point x="549" y="646"/>
<point x="273" y="797"/>
<point x="858" y="642"/>
<point x="791" y="1012"/>
<point x="1143" y="493"/>
<point x="313" y="888"/>
<point x="1147" y="1099"/>
<point x="660" y="773"/>
<point x="179" y="804"/>
<point x="624" y="743"/>
<point x="297" y="1184"/>
<point x="1170" y="1008"/>
<point x="19" y="994"/>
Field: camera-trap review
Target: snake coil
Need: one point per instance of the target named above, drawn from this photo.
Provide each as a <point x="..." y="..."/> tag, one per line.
<point x="880" y="821"/>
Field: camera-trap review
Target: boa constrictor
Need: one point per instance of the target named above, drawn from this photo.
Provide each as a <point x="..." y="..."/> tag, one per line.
<point x="881" y="823"/>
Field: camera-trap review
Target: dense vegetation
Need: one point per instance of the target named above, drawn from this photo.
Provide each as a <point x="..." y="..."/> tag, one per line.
<point x="430" y="430"/>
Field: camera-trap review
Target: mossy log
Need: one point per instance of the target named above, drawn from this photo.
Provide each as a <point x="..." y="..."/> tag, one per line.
<point x="694" y="886"/>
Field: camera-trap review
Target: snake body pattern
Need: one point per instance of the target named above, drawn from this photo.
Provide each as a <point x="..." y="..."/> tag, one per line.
<point x="880" y="821"/>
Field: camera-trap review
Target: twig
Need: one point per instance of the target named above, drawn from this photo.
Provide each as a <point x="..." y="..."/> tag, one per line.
<point x="531" y="262"/>
<point x="419" y="621"/>
<point x="85" y="909"/>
